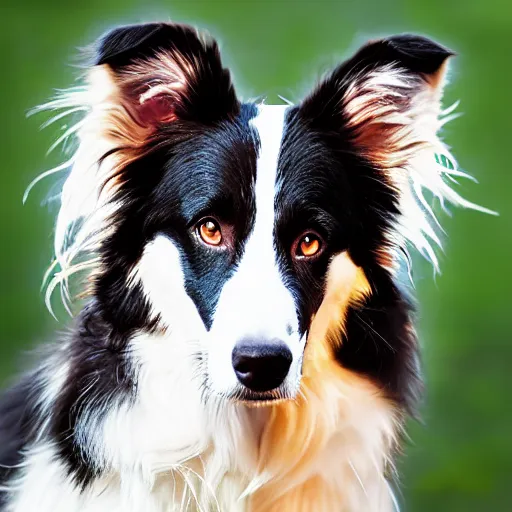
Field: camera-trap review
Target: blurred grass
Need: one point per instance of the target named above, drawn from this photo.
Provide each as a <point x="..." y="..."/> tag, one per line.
<point x="461" y="459"/>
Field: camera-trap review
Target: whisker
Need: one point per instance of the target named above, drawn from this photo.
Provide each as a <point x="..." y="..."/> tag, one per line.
<point x="373" y="330"/>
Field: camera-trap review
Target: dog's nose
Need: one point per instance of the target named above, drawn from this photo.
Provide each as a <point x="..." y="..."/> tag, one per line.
<point x="261" y="366"/>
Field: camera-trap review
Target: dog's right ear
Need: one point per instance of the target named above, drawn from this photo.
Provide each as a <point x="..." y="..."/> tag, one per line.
<point x="159" y="72"/>
<point x="144" y="81"/>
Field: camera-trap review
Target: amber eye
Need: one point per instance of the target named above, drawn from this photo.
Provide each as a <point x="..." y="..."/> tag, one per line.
<point x="209" y="231"/>
<point x="308" y="245"/>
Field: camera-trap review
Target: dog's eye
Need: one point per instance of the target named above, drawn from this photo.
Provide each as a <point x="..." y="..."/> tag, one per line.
<point x="308" y="245"/>
<point x="209" y="231"/>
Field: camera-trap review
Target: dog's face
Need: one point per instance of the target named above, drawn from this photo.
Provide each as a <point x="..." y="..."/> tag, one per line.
<point x="249" y="215"/>
<point x="257" y="231"/>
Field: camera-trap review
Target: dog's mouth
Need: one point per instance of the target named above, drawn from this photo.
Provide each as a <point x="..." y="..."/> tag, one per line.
<point x="251" y="398"/>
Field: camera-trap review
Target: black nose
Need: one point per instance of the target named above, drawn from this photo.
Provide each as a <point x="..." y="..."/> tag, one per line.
<point x="261" y="366"/>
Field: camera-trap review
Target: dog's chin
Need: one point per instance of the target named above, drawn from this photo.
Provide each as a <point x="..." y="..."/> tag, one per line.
<point x="247" y="397"/>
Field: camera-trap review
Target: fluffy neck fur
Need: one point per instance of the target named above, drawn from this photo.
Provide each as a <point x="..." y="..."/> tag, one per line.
<point x="297" y="456"/>
<point x="171" y="448"/>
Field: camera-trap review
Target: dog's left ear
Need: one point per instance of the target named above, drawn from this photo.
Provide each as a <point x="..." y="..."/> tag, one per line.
<point x="384" y="106"/>
<point x="385" y="99"/>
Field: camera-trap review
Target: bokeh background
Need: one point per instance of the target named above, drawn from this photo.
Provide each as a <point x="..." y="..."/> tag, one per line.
<point x="460" y="458"/>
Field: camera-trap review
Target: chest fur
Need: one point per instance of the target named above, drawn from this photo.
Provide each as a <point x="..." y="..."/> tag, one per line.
<point x="295" y="456"/>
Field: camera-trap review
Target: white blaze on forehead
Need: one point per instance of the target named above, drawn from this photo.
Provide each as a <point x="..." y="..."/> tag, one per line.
<point x="270" y="126"/>
<point x="257" y="283"/>
<point x="257" y="274"/>
<point x="255" y="303"/>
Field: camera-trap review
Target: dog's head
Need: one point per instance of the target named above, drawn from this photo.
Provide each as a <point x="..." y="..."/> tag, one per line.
<point x="270" y="237"/>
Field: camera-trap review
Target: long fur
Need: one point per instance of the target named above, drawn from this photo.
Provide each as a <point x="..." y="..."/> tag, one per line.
<point x="137" y="407"/>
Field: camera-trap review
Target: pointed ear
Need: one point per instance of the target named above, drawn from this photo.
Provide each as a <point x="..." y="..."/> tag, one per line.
<point x="159" y="73"/>
<point x="384" y="106"/>
<point x="385" y="99"/>
<point x="144" y="79"/>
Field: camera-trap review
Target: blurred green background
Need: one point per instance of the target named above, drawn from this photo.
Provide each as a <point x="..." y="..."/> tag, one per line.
<point x="461" y="458"/>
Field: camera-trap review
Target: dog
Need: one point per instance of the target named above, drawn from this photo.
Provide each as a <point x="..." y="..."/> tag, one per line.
<point x="245" y="339"/>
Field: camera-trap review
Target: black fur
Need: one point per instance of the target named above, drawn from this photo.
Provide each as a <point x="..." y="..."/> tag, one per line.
<point x="380" y="342"/>
<point x="98" y="377"/>
<point x="18" y="421"/>
<point x="325" y="185"/>
<point x="195" y="173"/>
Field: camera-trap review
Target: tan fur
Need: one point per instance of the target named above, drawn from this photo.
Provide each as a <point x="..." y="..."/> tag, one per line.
<point x="436" y="80"/>
<point x="392" y="112"/>
<point x="327" y="450"/>
<point x="379" y="111"/>
<point x="111" y="122"/>
<point x="386" y="259"/>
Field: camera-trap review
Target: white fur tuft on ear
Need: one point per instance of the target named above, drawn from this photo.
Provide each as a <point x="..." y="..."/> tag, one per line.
<point x="86" y="198"/>
<point x="108" y="137"/>
<point x="395" y="118"/>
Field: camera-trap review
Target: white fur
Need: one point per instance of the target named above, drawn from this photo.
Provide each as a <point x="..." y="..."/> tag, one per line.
<point x="264" y="306"/>
<point x="86" y="206"/>
<point x="160" y="273"/>
<point x="170" y="453"/>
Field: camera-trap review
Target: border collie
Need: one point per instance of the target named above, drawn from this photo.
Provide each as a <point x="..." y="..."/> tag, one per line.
<point x="245" y="340"/>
